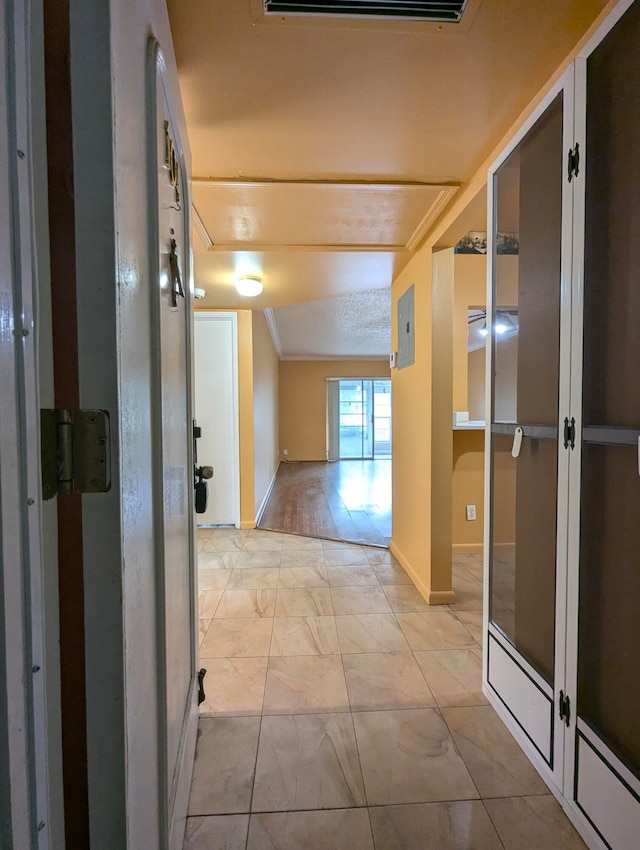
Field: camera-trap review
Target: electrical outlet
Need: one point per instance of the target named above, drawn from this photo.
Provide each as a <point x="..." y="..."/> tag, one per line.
<point x="285" y="452"/>
<point x="471" y="512"/>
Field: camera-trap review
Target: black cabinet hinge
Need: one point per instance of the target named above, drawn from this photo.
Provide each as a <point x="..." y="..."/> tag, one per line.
<point x="569" y="432"/>
<point x="573" y="163"/>
<point x="565" y="708"/>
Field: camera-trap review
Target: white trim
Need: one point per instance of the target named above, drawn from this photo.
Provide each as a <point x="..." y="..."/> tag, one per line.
<point x="263" y="504"/>
<point x="431" y="217"/>
<point x="273" y="330"/>
<point x="361" y="378"/>
<point x="383" y="358"/>
<point x="200" y="229"/>
<point x="575" y="462"/>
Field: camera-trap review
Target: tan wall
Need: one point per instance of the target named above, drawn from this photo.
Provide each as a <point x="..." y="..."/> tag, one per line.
<point x="303" y="401"/>
<point x="468" y="489"/>
<point x="265" y="409"/>
<point x="476" y="384"/>
<point x="245" y="414"/>
<point x="469" y="290"/>
<point x="411" y="406"/>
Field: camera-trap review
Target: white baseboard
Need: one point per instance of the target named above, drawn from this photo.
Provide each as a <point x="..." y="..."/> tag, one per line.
<point x="263" y="505"/>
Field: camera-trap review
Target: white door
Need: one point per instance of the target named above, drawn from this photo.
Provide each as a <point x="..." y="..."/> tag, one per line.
<point x="216" y="409"/>
<point x="173" y="454"/>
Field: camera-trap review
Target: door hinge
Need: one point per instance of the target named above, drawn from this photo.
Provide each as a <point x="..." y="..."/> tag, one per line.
<point x="573" y="163"/>
<point x="569" y="432"/>
<point x="565" y="708"/>
<point x="75" y="452"/>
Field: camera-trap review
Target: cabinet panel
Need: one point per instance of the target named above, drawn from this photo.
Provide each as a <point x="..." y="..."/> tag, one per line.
<point x="526" y="342"/>
<point x="608" y="622"/>
<point x="612" y="247"/>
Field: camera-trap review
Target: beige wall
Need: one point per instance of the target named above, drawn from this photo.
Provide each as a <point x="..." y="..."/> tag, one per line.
<point x="303" y="401"/>
<point x="411" y="405"/>
<point x="468" y="489"/>
<point x="476" y="384"/>
<point x="245" y="415"/>
<point x="265" y="409"/>
<point x="469" y="290"/>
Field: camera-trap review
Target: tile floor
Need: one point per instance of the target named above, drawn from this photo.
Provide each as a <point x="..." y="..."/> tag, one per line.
<point x="343" y="713"/>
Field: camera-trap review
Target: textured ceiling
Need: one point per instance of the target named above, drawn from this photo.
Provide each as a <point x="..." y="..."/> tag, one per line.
<point x="356" y="325"/>
<point x="281" y="112"/>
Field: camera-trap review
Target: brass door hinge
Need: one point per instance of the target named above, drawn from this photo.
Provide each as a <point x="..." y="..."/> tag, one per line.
<point x="75" y="452"/>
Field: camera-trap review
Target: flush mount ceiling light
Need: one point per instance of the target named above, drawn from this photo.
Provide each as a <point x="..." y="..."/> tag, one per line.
<point x="249" y="285"/>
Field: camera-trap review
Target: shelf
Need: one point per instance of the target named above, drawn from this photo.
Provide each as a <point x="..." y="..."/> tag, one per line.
<point x="471" y="425"/>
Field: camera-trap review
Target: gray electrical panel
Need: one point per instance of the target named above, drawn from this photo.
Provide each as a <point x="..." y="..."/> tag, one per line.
<point x="406" y="346"/>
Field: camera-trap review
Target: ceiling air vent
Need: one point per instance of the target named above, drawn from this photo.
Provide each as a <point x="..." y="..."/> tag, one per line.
<point x="444" y="11"/>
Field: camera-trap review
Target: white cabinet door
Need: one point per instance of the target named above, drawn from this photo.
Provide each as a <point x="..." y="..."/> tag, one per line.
<point x="602" y="779"/>
<point x="529" y="312"/>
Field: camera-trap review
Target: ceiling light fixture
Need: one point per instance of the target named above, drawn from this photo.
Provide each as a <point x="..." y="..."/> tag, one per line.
<point x="249" y="285"/>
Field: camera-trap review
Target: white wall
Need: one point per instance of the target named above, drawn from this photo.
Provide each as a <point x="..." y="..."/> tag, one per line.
<point x="265" y="408"/>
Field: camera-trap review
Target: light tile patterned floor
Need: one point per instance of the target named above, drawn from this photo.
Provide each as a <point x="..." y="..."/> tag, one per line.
<point x="343" y="713"/>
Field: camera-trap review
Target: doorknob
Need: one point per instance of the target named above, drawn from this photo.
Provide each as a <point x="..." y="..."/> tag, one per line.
<point x="201" y="474"/>
<point x="517" y="442"/>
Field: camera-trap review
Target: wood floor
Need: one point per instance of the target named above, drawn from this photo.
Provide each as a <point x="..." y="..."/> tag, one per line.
<point x="344" y="500"/>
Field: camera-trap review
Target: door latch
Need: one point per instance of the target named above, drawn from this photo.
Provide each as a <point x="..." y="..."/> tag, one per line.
<point x="573" y="163"/>
<point x="569" y="432"/>
<point x="75" y="452"/>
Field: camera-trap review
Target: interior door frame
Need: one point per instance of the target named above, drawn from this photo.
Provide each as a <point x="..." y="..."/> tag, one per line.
<point x="552" y="770"/>
<point x="25" y="804"/>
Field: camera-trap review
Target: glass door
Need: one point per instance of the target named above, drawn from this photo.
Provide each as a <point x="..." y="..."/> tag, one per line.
<point x="364" y="419"/>
<point x="354" y="403"/>
<point x="526" y="312"/>
<point x="382" y="418"/>
<point x="607" y="744"/>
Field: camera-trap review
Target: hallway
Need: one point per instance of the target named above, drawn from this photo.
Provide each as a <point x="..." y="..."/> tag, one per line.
<point x="342" y="500"/>
<point x="343" y="713"/>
